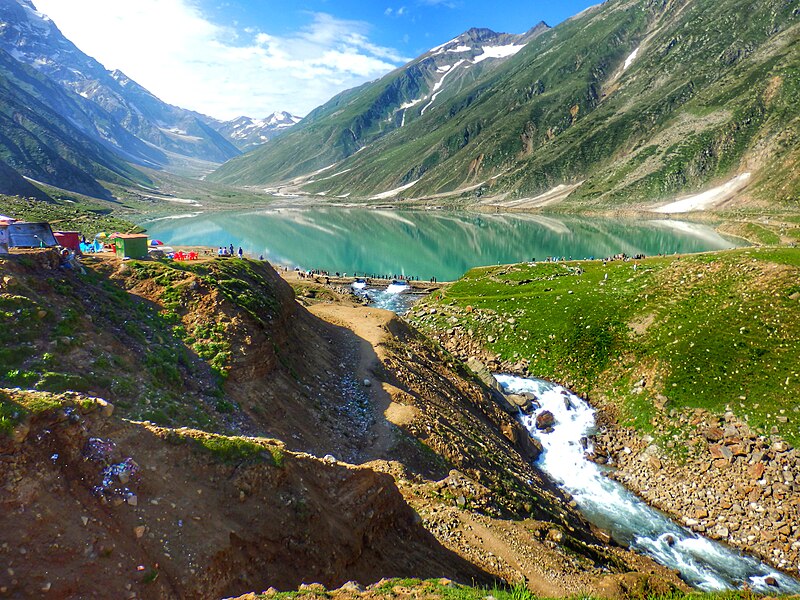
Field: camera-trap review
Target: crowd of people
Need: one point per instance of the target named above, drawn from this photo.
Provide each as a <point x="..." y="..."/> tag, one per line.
<point x="324" y="273"/>
<point x="620" y="256"/>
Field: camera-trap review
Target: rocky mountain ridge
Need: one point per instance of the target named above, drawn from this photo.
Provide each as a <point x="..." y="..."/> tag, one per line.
<point x="32" y="38"/>
<point x="67" y="90"/>
<point x="51" y="135"/>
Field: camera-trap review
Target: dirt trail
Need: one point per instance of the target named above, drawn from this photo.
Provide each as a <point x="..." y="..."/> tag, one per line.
<point x="366" y="329"/>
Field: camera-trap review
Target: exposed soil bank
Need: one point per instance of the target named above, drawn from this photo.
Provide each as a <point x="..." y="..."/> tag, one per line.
<point x="439" y="480"/>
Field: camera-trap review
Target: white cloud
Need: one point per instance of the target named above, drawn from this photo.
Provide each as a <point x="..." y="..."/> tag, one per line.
<point x="396" y="12"/>
<point x="174" y="50"/>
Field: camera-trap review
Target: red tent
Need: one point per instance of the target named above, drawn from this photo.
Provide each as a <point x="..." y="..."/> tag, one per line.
<point x="68" y="239"/>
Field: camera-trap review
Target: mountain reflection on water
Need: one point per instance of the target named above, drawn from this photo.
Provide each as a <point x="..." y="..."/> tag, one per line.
<point x="425" y="244"/>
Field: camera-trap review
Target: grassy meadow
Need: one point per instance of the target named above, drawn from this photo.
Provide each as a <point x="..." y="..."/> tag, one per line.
<point x="718" y="331"/>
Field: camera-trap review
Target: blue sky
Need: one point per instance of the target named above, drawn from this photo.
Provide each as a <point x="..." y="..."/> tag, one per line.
<point x="230" y="57"/>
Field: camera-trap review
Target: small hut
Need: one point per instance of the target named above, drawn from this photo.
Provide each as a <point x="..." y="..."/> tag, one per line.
<point x="131" y="246"/>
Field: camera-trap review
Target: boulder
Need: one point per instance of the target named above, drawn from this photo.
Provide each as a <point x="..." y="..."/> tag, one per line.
<point x="545" y="420"/>
<point x="530" y="447"/>
<point x="522" y="402"/>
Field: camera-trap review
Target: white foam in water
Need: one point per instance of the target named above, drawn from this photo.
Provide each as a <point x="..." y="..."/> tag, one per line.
<point x="393" y="298"/>
<point x="701" y="562"/>
<point x="396" y="288"/>
<point x="359" y="285"/>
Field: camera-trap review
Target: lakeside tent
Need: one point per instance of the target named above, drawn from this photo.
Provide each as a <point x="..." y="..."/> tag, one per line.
<point x="30" y="235"/>
<point x="68" y="239"/>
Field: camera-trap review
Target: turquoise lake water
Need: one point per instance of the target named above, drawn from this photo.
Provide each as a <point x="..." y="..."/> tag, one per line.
<point x="425" y="244"/>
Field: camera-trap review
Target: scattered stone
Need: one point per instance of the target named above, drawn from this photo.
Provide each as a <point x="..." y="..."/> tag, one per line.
<point x="138" y="531"/>
<point x="352" y="587"/>
<point x="367" y="383"/>
<point x="756" y="471"/>
<point x="555" y="535"/>
<point x="720" y="452"/>
<point x="20" y="432"/>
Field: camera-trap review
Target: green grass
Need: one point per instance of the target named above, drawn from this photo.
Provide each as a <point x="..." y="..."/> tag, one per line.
<point x="84" y="216"/>
<point x="436" y="589"/>
<point x="235" y="449"/>
<point x="712" y="331"/>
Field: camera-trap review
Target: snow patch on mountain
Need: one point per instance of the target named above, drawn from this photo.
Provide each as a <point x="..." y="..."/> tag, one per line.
<point x="441" y="46"/>
<point x="498" y="52"/>
<point x="460" y="49"/>
<point x="248" y="132"/>
<point x="437" y="86"/>
<point x="406" y="105"/>
<point x="631" y="57"/>
<point x="394" y="192"/>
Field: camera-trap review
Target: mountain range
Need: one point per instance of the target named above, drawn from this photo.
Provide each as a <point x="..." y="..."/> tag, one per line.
<point x="352" y="120"/>
<point x="627" y="103"/>
<point x="69" y="122"/>
<point x="247" y="133"/>
<point x="630" y="100"/>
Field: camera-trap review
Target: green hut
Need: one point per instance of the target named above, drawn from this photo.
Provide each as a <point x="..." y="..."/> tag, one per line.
<point x="131" y="246"/>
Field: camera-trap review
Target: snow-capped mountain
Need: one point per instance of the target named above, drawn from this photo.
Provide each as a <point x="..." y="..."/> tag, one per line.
<point x="247" y="133"/>
<point x="356" y="118"/>
<point x="32" y="38"/>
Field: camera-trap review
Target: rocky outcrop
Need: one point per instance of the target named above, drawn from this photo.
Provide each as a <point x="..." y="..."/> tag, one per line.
<point x="149" y="512"/>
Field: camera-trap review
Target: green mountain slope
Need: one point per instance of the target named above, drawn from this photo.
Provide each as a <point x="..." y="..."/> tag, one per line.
<point x="38" y="141"/>
<point x="633" y="100"/>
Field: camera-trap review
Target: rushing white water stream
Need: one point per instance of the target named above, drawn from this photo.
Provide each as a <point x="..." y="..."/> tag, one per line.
<point x="395" y="297"/>
<point x="701" y="562"/>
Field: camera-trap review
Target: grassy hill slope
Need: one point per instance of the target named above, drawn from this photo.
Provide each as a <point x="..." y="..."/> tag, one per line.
<point x="704" y="331"/>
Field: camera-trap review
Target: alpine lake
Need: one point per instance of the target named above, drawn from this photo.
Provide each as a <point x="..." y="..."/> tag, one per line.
<point x="427" y="243"/>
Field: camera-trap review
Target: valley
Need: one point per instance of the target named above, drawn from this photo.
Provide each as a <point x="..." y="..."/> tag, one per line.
<point x="590" y="393"/>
